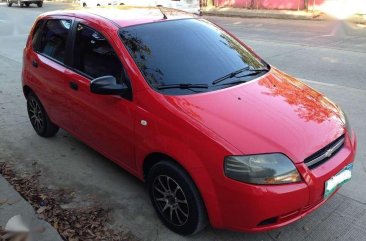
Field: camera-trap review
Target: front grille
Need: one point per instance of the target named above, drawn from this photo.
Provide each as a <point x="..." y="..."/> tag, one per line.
<point x="325" y="153"/>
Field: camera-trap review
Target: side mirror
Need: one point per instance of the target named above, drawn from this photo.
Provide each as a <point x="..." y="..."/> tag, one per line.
<point x="107" y="85"/>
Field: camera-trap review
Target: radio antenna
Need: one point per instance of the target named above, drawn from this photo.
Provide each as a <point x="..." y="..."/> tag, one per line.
<point x="162" y="12"/>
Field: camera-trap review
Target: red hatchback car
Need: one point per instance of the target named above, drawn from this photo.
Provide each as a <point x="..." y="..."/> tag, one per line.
<point x="218" y="135"/>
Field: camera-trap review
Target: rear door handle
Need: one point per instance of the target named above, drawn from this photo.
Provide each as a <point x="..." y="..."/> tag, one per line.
<point x="74" y="86"/>
<point x="35" y="64"/>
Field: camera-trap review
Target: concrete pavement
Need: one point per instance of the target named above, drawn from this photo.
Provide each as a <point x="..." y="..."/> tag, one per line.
<point x="329" y="56"/>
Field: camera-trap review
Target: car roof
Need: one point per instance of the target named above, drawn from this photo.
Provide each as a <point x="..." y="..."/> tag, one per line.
<point x="125" y="16"/>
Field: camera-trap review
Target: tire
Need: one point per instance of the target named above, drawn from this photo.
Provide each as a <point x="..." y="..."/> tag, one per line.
<point x="40" y="4"/>
<point x="9" y="4"/>
<point x="27" y="5"/>
<point x="38" y="117"/>
<point x="84" y="5"/>
<point x="176" y="199"/>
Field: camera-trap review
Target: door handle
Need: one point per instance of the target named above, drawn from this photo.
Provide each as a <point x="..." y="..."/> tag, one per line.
<point x="35" y="64"/>
<point x="74" y="86"/>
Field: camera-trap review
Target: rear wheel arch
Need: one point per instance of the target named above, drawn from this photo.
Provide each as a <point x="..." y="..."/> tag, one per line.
<point x="38" y="117"/>
<point x="27" y="90"/>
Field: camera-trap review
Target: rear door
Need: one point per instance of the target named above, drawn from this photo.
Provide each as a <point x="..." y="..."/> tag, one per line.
<point x="104" y="122"/>
<point x="48" y="62"/>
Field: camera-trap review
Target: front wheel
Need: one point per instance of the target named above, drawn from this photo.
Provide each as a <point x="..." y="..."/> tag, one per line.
<point x="176" y="198"/>
<point x="39" y="118"/>
<point x="40" y="4"/>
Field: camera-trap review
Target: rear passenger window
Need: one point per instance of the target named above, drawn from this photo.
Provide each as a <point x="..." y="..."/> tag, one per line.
<point x="54" y="37"/>
<point x="94" y="56"/>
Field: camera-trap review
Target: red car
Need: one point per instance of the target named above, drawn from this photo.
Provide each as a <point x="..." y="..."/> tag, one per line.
<point x="218" y="135"/>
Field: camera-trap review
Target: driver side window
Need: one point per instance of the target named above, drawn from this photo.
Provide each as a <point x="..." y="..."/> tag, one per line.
<point x="94" y="56"/>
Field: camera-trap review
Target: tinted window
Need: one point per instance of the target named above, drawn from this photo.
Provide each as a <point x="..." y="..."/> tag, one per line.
<point x="36" y="34"/>
<point x="94" y="56"/>
<point x="54" y="38"/>
<point x="186" y="51"/>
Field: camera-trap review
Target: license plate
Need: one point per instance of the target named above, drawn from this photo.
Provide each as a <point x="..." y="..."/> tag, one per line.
<point x="338" y="180"/>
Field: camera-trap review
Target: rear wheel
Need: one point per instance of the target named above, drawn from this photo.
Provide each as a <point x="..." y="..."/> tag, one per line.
<point x="39" y="118"/>
<point x="40" y="4"/>
<point x="176" y="198"/>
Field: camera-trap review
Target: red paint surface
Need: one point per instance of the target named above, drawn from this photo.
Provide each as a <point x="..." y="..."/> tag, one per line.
<point x="274" y="113"/>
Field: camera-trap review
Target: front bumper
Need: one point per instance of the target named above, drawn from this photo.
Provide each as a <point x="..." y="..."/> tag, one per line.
<point x="255" y="208"/>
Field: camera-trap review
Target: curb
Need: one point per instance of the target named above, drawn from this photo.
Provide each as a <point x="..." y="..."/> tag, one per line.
<point x="258" y="14"/>
<point x="12" y="204"/>
<point x="358" y="19"/>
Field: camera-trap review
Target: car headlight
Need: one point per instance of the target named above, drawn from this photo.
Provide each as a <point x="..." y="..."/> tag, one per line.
<point x="347" y="125"/>
<point x="273" y="168"/>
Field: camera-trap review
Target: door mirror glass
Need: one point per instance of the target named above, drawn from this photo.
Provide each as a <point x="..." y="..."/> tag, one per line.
<point x="107" y="85"/>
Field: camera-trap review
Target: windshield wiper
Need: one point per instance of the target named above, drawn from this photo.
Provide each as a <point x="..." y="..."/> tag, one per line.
<point x="235" y="73"/>
<point x="182" y="86"/>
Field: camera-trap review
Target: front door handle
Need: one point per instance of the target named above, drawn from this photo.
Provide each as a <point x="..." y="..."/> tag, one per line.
<point x="35" y="64"/>
<point x="74" y="86"/>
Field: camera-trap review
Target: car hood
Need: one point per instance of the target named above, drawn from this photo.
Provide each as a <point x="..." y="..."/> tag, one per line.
<point x="274" y="113"/>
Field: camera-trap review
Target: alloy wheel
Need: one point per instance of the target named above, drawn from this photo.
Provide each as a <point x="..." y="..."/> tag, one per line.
<point x="36" y="115"/>
<point x="170" y="200"/>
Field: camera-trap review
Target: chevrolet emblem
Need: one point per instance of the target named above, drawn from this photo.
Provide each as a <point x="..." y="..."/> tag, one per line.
<point x="329" y="152"/>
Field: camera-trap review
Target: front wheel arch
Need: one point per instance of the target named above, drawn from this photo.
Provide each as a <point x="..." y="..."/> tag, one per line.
<point x="201" y="212"/>
<point x="152" y="159"/>
<point x="191" y="162"/>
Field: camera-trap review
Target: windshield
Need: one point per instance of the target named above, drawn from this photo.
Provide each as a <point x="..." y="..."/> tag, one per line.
<point x="190" y="52"/>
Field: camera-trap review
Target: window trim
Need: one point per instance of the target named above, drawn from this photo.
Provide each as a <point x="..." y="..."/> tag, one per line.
<point x="38" y="40"/>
